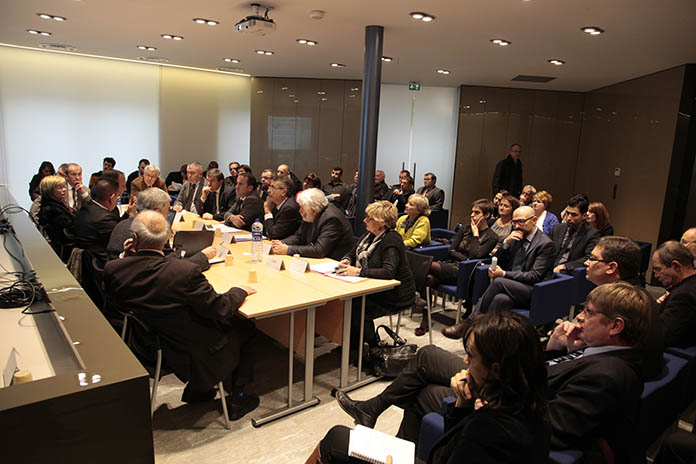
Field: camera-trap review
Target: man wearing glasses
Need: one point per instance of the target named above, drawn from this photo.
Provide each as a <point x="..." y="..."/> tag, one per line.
<point x="525" y="258"/>
<point x="282" y="216"/>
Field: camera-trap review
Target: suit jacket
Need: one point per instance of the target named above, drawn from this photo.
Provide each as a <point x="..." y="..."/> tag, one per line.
<point x="330" y="235"/>
<point x="678" y="313"/>
<point x="284" y="221"/>
<point x="251" y="207"/>
<point x="550" y="221"/>
<point x="584" y="241"/>
<point x="538" y="262"/>
<point x="200" y="338"/>
<point x="223" y="205"/>
<point x="401" y="199"/>
<point x="186" y="198"/>
<point x="92" y="228"/>
<point x="382" y="191"/>
<point x="343" y="194"/>
<point x="80" y="201"/>
<point x="435" y="196"/>
<point x="597" y="396"/>
<point x="465" y="246"/>
<point x="508" y="176"/>
<point x="138" y="185"/>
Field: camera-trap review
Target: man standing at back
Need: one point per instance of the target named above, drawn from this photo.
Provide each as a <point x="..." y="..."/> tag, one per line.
<point x="508" y="172"/>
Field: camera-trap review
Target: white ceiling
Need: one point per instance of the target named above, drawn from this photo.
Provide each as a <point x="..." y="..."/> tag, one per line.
<point x="642" y="36"/>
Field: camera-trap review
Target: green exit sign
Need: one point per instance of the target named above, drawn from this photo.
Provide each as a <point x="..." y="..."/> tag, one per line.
<point x="414" y="86"/>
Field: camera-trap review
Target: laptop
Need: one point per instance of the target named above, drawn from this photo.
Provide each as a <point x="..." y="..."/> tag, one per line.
<point x="192" y="241"/>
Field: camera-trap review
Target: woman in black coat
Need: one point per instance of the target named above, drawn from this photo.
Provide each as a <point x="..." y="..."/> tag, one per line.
<point x="46" y="169"/>
<point x="379" y="254"/>
<point x="55" y="217"/>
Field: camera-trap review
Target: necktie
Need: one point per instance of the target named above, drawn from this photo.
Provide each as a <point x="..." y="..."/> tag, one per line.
<point x="217" y="203"/>
<point x="568" y="357"/>
<point x="567" y="244"/>
<point x="518" y="259"/>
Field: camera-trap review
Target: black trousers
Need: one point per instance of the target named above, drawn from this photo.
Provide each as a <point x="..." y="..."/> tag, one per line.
<point x="678" y="448"/>
<point x="504" y="294"/>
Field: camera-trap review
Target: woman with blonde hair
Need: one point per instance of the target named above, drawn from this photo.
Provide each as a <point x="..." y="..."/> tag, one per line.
<point x="55" y="217"/>
<point x="414" y="226"/>
<point x="541" y="203"/>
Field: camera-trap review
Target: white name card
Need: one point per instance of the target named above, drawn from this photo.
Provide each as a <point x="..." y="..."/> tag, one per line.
<point x="198" y="225"/>
<point x="177" y="217"/>
<point x="221" y="251"/>
<point x="228" y="237"/>
<point x="266" y="248"/>
<point x="275" y="263"/>
<point x="298" y="265"/>
<point x="10" y="368"/>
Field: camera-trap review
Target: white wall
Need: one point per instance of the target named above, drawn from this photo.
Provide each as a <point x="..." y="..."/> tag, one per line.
<point x="65" y="108"/>
<point x="421" y="128"/>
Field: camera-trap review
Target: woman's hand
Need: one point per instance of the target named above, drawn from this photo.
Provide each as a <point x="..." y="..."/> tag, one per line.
<point x="346" y="270"/>
<point x="460" y="385"/>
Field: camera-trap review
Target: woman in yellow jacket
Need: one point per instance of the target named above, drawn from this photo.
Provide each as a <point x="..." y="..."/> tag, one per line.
<point x="414" y="226"/>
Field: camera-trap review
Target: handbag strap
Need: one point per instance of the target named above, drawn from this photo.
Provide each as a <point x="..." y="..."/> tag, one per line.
<point x="398" y="341"/>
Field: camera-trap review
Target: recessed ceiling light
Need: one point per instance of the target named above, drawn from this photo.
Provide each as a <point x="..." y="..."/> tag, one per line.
<point x="557" y="62"/>
<point x="422" y="16"/>
<point x="338" y="65"/>
<point x="147" y="47"/>
<point x="35" y="32"/>
<point x="296" y="101"/>
<point x="59" y="47"/>
<point x="387" y="59"/>
<point x="307" y="42"/>
<point x="443" y="71"/>
<point x="232" y="70"/>
<point x="232" y="60"/>
<point x="321" y="92"/>
<point x="324" y="99"/>
<point x="501" y="42"/>
<point x="283" y="88"/>
<point x="48" y="16"/>
<point x="209" y="22"/>
<point x="592" y="30"/>
<point x="263" y="52"/>
<point x="292" y="95"/>
<point x="170" y="36"/>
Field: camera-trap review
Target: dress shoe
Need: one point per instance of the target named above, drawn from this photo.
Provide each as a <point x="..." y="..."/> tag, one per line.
<point x="241" y="406"/>
<point x="457" y="331"/>
<point x="190" y="396"/>
<point x="353" y="409"/>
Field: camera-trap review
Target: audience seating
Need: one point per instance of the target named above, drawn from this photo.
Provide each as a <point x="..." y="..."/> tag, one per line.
<point x="645" y="256"/>
<point x="159" y="370"/>
<point x="439" y="218"/>
<point x="432" y="428"/>
<point x="438" y="250"/>
<point x="461" y="291"/>
<point x="582" y="286"/>
<point x="689" y="354"/>
<point x="551" y="299"/>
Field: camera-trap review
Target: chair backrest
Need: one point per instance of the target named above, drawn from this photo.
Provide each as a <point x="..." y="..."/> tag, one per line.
<point x="420" y="266"/>
<point x="645" y="255"/>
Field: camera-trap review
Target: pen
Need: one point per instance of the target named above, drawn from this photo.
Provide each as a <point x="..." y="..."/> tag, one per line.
<point x="463" y="380"/>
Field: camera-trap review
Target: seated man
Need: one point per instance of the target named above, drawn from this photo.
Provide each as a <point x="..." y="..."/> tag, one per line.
<point x="573" y="239"/>
<point x="150" y="178"/>
<point x="325" y="230"/>
<point x="282" y="216"/>
<point x="152" y="199"/>
<point x="247" y="206"/>
<point x="96" y="220"/>
<point x="284" y="171"/>
<point x="527" y="195"/>
<point x="215" y="199"/>
<point x="335" y="190"/>
<point x="266" y="179"/>
<point x="231" y="180"/>
<point x="595" y="395"/>
<point x="688" y="239"/>
<point x="107" y="163"/>
<point x="202" y="339"/>
<point x="77" y="194"/>
<point x="382" y="191"/>
<point x="674" y="268"/>
<point x="435" y="195"/>
<point x="399" y="196"/>
<point x="192" y="189"/>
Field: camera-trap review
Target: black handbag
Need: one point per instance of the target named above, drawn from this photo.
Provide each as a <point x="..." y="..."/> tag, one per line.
<point x="390" y="357"/>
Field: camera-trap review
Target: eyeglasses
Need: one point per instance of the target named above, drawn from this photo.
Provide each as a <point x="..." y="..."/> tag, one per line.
<point x="591" y="312"/>
<point x="595" y="259"/>
<point x="686" y="242"/>
<point x="275" y="188"/>
<point x="519" y="222"/>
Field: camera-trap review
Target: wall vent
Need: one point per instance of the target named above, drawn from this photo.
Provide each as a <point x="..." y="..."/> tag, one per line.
<point x="523" y="78"/>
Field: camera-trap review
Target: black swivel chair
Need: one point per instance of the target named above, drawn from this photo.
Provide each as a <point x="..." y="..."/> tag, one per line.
<point x="420" y="266"/>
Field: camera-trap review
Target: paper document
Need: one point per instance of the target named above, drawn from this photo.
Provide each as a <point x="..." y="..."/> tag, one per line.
<point x="224" y="228"/>
<point x="373" y="446"/>
<point x="328" y="268"/>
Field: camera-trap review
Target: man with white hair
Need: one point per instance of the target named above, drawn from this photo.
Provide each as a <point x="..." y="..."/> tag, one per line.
<point x="192" y="190"/>
<point x="150" y="178"/>
<point x="325" y="230"/>
<point x="77" y="193"/>
<point x="203" y="339"/>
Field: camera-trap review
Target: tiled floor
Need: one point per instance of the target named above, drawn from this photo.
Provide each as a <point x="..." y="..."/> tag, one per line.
<point x="186" y="433"/>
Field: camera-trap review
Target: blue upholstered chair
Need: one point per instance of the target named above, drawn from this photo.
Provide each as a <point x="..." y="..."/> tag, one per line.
<point x="645" y="255"/>
<point x="439" y="218"/>
<point x="582" y="286"/>
<point x="460" y="290"/>
<point x="436" y="249"/>
<point x="689" y="354"/>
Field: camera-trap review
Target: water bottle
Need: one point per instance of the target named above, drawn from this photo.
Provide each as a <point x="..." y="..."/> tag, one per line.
<point x="256" y="241"/>
<point x="494" y="263"/>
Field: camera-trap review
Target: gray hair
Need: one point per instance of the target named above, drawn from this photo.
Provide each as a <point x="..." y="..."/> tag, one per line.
<point x="152" y="230"/>
<point x="313" y="199"/>
<point x="196" y="165"/>
<point x="152" y="198"/>
<point x="152" y="167"/>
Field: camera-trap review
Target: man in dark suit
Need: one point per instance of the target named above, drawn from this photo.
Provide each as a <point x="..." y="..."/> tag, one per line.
<point x="673" y="266"/>
<point x="215" y="199"/>
<point x="96" y="220"/>
<point x="284" y="171"/>
<point x="382" y="191"/>
<point x="282" y="213"/>
<point x="336" y="191"/>
<point x="435" y="195"/>
<point x="325" y="230"/>
<point x="247" y="207"/>
<point x="231" y="180"/>
<point x="202" y="339"/>
<point x="575" y="238"/>
<point x="508" y="172"/>
<point x="192" y="190"/>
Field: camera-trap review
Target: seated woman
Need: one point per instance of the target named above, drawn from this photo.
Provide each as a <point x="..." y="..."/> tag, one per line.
<point x="473" y="241"/>
<point x="501" y="413"/>
<point x="46" y="169"/>
<point x="598" y="217"/>
<point x="311" y="180"/>
<point x="496" y="201"/>
<point x="414" y="226"/>
<point x="55" y="217"/>
<point x="503" y="225"/>
<point x="379" y="254"/>
<point x="545" y="218"/>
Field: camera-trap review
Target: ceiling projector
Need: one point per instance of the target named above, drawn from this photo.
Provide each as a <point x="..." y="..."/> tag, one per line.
<point x="255" y="23"/>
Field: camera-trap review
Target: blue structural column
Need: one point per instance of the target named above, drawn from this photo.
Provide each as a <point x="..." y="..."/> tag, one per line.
<point x="372" y="77"/>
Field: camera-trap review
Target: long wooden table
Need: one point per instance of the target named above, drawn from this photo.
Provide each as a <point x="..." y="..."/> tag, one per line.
<point x="284" y="295"/>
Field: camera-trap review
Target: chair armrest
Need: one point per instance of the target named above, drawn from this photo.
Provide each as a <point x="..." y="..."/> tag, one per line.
<point x="442" y="233"/>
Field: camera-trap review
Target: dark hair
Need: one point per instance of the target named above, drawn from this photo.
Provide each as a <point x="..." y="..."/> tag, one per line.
<point x="339" y="169"/>
<point x="409" y="179"/>
<point x="405" y="171"/>
<point x="485" y="205"/>
<point x="511" y="341"/>
<point x="47" y="164"/>
<point x="215" y="173"/>
<point x="213" y="165"/>
<point x="233" y="162"/>
<point x="671" y="251"/>
<point x="109" y="159"/>
<point x="515" y="145"/>
<point x="103" y="189"/>
<point x="112" y="174"/>
<point x="432" y="175"/>
<point x="183" y="168"/>
<point x="287" y="184"/>
<point x="245" y="167"/>
<point x="251" y="180"/>
<point x="144" y="160"/>
<point x="624" y="252"/>
<point x="514" y="202"/>
<point x="312" y="180"/>
<point x="580" y="202"/>
<point x="601" y="212"/>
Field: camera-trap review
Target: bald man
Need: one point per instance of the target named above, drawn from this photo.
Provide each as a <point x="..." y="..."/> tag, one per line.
<point x="283" y="171"/>
<point x="688" y="239"/>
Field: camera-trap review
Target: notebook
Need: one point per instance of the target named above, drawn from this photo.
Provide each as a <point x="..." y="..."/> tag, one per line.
<point x="373" y="446"/>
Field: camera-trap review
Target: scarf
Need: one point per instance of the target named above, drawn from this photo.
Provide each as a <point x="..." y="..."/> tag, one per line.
<point x="366" y="247"/>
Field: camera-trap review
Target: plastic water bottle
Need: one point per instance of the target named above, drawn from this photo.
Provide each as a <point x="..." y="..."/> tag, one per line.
<point x="256" y="241"/>
<point x="494" y="263"/>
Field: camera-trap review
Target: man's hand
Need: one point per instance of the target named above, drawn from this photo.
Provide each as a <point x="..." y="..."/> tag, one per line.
<point x="492" y="274"/>
<point x="461" y="387"/>
<point x="249" y="290"/>
<point x="565" y="335"/>
<point x="205" y="192"/>
<point x="474" y="228"/>
<point x="515" y="236"/>
<point x="559" y="268"/>
<point x="81" y="189"/>
<point x="268" y="205"/>
<point x="177" y="208"/>
<point x="207" y="216"/>
<point x="237" y="220"/>
<point x="279" y="248"/>
<point x="209" y="252"/>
